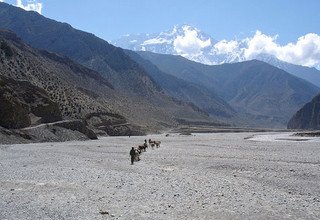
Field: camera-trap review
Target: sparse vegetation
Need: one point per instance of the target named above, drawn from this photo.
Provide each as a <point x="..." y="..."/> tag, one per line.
<point x="13" y="113"/>
<point x="2" y="83"/>
<point x="7" y="49"/>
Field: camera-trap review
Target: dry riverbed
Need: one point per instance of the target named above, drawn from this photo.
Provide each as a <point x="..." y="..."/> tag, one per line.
<point x="202" y="176"/>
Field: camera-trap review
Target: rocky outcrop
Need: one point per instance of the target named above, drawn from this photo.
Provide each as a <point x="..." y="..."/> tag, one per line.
<point x="105" y="123"/>
<point x="67" y="130"/>
<point x="23" y="104"/>
<point x="308" y="117"/>
<point x="77" y="125"/>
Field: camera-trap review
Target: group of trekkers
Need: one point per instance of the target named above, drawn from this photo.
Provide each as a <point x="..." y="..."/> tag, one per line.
<point x="136" y="151"/>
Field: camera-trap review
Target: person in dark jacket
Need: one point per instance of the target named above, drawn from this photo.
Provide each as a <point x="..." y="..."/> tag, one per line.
<point x="132" y="154"/>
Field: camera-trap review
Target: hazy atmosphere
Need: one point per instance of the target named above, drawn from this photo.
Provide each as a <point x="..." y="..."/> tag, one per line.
<point x="145" y="109"/>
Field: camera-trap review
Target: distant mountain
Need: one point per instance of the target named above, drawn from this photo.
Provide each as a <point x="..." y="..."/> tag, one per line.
<point x="201" y="48"/>
<point x="186" y="91"/>
<point x="137" y="96"/>
<point x="308" y="117"/>
<point x="163" y="42"/>
<point x="171" y="42"/>
<point x="253" y="87"/>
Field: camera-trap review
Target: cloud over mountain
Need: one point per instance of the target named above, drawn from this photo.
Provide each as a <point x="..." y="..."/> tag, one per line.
<point x="190" y="43"/>
<point x="195" y="45"/>
<point x="30" y="5"/>
<point x="306" y="51"/>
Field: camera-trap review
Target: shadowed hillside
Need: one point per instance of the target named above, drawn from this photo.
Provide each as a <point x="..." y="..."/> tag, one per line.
<point x="40" y="87"/>
<point x="186" y="91"/>
<point x="308" y="117"/>
<point x="137" y="96"/>
<point x="23" y="104"/>
<point x="261" y="92"/>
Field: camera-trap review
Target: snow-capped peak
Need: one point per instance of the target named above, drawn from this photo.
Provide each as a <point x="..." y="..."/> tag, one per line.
<point x="193" y="44"/>
<point x="183" y="40"/>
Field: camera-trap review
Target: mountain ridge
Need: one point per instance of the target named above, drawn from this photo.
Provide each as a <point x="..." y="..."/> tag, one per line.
<point x="250" y="87"/>
<point x="163" y="43"/>
<point x="186" y="91"/>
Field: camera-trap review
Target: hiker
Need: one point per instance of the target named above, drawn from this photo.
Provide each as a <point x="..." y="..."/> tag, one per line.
<point x="132" y="154"/>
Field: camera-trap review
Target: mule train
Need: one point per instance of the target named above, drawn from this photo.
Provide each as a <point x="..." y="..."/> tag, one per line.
<point x="143" y="148"/>
<point x="154" y="143"/>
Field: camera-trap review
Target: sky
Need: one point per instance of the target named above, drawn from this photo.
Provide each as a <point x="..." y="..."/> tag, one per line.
<point x="283" y="22"/>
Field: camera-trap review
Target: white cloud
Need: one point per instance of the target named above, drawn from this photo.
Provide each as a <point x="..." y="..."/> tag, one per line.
<point x="31" y="5"/>
<point x="306" y="51"/>
<point x="189" y="43"/>
<point x="226" y="47"/>
<point x="260" y="43"/>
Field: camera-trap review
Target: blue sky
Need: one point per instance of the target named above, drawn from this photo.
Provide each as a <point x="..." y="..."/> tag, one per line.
<point x="222" y="19"/>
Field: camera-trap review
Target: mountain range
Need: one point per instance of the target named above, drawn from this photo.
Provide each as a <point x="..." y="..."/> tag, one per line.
<point x="131" y="92"/>
<point x="168" y="42"/>
<point x="264" y="93"/>
<point x="111" y="91"/>
<point x="195" y="45"/>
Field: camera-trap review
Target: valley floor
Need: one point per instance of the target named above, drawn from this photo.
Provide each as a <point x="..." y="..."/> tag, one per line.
<point x="201" y="176"/>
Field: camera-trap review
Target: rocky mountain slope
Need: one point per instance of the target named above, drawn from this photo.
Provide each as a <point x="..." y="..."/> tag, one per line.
<point x="23" y="104"/>
<point x="82" y="47"/>
<point x="253" y="87"/>
<point x="138" y="98"/>
<point x="308" y="117"/>
<point x="40" y="87"/>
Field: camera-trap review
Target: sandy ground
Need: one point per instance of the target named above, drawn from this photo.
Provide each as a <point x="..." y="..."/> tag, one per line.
<point x="204" y="176"/>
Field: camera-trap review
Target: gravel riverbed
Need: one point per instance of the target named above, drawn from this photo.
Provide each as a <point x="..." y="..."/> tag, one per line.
<point x="201" y="176"/>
